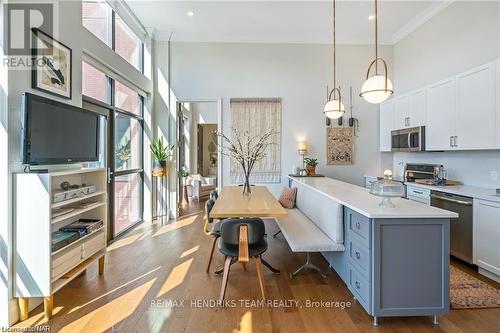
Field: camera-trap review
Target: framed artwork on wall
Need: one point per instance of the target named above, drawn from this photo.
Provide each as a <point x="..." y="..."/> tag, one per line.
<point x="339" y="146"/>
<point x="51" y="72"/>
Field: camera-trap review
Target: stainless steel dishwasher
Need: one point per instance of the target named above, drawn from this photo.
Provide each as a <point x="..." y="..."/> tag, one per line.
<point x="460" y="228"/>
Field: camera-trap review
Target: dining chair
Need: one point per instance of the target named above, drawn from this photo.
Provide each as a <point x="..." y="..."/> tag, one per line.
<point x="214" y="195"/>
<point x="214" y="231"/>
<point x="240" y="240"/>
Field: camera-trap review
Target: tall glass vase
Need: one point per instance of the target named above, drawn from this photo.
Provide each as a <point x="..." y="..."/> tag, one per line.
<point x="246" y="186"/>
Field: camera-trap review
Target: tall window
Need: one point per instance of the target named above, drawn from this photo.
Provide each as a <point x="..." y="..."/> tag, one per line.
<point x="96" y="17"/>
<point x="125" y="139"/>
<point x="102" y="21"/>
<point x="95" y="84"/>
<point x="127" y="44"/>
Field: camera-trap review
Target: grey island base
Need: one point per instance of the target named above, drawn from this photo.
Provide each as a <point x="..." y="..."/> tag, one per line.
<point x="396" y="260"/>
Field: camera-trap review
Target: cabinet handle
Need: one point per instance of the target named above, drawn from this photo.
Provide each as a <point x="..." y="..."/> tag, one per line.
<point x="451" y="141"/>
<point x="358" y="255"/>
<point x="418" y="192"/>
<point x="408" y="121"/>
<point x="358" y="225"/>
<point x="456" y="141"/>
<point x="358" y="285"/>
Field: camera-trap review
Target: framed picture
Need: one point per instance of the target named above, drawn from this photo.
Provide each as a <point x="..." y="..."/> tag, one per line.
<point x="52" y="70"/>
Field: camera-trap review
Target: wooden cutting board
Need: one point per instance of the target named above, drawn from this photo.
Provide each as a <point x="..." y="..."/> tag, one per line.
<point x="430" y="182"/>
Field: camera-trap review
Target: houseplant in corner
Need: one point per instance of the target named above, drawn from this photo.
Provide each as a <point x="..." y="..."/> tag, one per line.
<point x="311" y="165"/>
<point x="161" y="153"/>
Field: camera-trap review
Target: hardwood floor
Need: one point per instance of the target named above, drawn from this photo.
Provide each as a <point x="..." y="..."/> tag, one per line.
<point x="192" y="207"/>
<point x="154" y="264"/>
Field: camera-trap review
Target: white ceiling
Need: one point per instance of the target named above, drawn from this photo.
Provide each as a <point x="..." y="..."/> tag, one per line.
<point x="281" y="21"/>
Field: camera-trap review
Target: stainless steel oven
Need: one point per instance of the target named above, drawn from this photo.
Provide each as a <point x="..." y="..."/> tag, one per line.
<point x="408" y="139"/>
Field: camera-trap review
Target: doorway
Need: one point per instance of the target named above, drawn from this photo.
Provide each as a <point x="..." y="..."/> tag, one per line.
<point x="199" y="159"/>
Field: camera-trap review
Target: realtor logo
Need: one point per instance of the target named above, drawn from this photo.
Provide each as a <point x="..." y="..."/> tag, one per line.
<point x="19" y="19"/>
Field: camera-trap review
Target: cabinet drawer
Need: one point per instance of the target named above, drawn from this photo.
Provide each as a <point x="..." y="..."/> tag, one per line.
<point x="71" y="261"/>
<point x="359" y="225"/>
<point x="418" y="199"/>
<point x="418" y="192"/>
<point x="359" y="286"/>
<point x="360" y="255"/>
<point x="93" y="245"/>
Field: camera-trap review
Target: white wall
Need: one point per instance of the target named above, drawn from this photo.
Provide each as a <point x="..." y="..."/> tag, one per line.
<point x="74" y="35"/>
<point x="464" y="35"/>
<point x="296" y="73"/>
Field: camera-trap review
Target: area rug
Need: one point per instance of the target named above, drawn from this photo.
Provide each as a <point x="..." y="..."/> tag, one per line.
<point x="467" y="292"/>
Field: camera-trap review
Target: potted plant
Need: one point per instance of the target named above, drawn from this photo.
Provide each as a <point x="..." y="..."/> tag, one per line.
<point x="123" y="154"/>
<point x="161" y="153"/>
<point x="184" y="173"/>
<point x="311" y="165"/>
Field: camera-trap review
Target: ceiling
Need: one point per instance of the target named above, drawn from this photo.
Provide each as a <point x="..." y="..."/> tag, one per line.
<point x="281" y="21"/>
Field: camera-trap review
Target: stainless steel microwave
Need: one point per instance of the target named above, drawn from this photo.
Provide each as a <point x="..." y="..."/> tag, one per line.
<point x="408" y="139"/>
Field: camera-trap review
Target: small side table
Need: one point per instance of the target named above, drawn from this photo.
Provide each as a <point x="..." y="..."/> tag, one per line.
<point x="160" y="199"/>
<point x="300" y="176"/>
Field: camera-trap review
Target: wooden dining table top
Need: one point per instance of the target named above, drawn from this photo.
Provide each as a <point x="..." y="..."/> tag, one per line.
<point x="260" y="203"/>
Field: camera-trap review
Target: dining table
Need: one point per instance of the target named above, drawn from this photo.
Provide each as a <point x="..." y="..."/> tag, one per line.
<point x="232" y="203"/>
<point x="259" y="203"/>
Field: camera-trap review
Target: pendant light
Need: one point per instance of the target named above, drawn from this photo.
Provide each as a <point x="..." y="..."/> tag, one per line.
<point x="377" y="88"/>
<point x="334" y="108"/>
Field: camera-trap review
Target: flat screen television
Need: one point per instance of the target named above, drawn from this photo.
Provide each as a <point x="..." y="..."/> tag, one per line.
<point x="58" y="133"/>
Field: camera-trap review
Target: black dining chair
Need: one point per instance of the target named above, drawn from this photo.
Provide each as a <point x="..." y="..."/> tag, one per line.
<point x="213" y="231"/>
<point x="214" y="195"/>
<point x="240" y="240"/>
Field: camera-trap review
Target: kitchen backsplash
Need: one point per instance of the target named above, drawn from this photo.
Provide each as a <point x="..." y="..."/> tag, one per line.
<point x="475" y="168"/>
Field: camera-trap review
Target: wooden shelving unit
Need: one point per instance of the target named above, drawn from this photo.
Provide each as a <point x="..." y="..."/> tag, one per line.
<point x="40" y="272"/>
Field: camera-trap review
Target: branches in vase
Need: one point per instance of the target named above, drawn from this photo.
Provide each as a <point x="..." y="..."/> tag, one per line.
<point x="246" y="150"/>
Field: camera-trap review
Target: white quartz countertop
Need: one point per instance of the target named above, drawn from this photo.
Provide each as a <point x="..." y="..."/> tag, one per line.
<point x="465" y="190"/>
<point x="360" y="200"/>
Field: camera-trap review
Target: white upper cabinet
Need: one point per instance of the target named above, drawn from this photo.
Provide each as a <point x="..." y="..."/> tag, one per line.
<point x="409" y="110"/>
<point x="418" y="107"/>
<point x="475" y="109"/>
<point x="386" y="124"/>
<point x="401" y="112"/>
<point x="440" y="115"/>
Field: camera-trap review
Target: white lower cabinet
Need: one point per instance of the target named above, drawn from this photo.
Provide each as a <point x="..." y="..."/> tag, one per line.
<point x="418" y="194"/>
<point x="487" y="236"/>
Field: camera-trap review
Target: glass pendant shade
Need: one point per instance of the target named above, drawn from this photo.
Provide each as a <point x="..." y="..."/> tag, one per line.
<point x="334" y="109"/>
<point x="376" y="89"/>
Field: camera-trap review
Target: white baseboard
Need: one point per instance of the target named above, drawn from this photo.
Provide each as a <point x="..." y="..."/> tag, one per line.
<point x="489" y="275"/>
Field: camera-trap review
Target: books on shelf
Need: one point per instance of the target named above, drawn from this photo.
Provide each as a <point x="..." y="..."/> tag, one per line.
<point x="84" y="226"/>
<point x="62" y="238"/>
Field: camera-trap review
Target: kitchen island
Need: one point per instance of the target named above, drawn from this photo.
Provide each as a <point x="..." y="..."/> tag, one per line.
<point x="396" y="260"/>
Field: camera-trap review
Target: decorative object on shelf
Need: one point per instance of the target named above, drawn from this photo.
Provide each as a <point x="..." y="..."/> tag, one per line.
<point x="387" y="188"/>
<point x="339" y="146"/>
<point x="353" y="122"/>
<point x="311" y="164"/>
<point x="247" y="150"/>
<point x="377" y="88"/>
<point x="72" y="191"/>
<point x="161" y="153"/>
<point x="334" y="108"/>
<point x="52" y="73"/>
<point x="302" y="149"/>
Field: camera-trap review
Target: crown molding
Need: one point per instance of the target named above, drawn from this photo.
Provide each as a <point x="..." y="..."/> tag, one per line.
<point x="428" y="13"/>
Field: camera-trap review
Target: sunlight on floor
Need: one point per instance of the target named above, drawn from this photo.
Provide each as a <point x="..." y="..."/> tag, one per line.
<point x="245" y="324"/>
<point x="76" y="308"/>
<point x="175" y="278"/>
<point x="111" y="313"/>
<point x="124" y="241"/>
<point x="175" y="225"/>
<point x="190" y="251"/>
